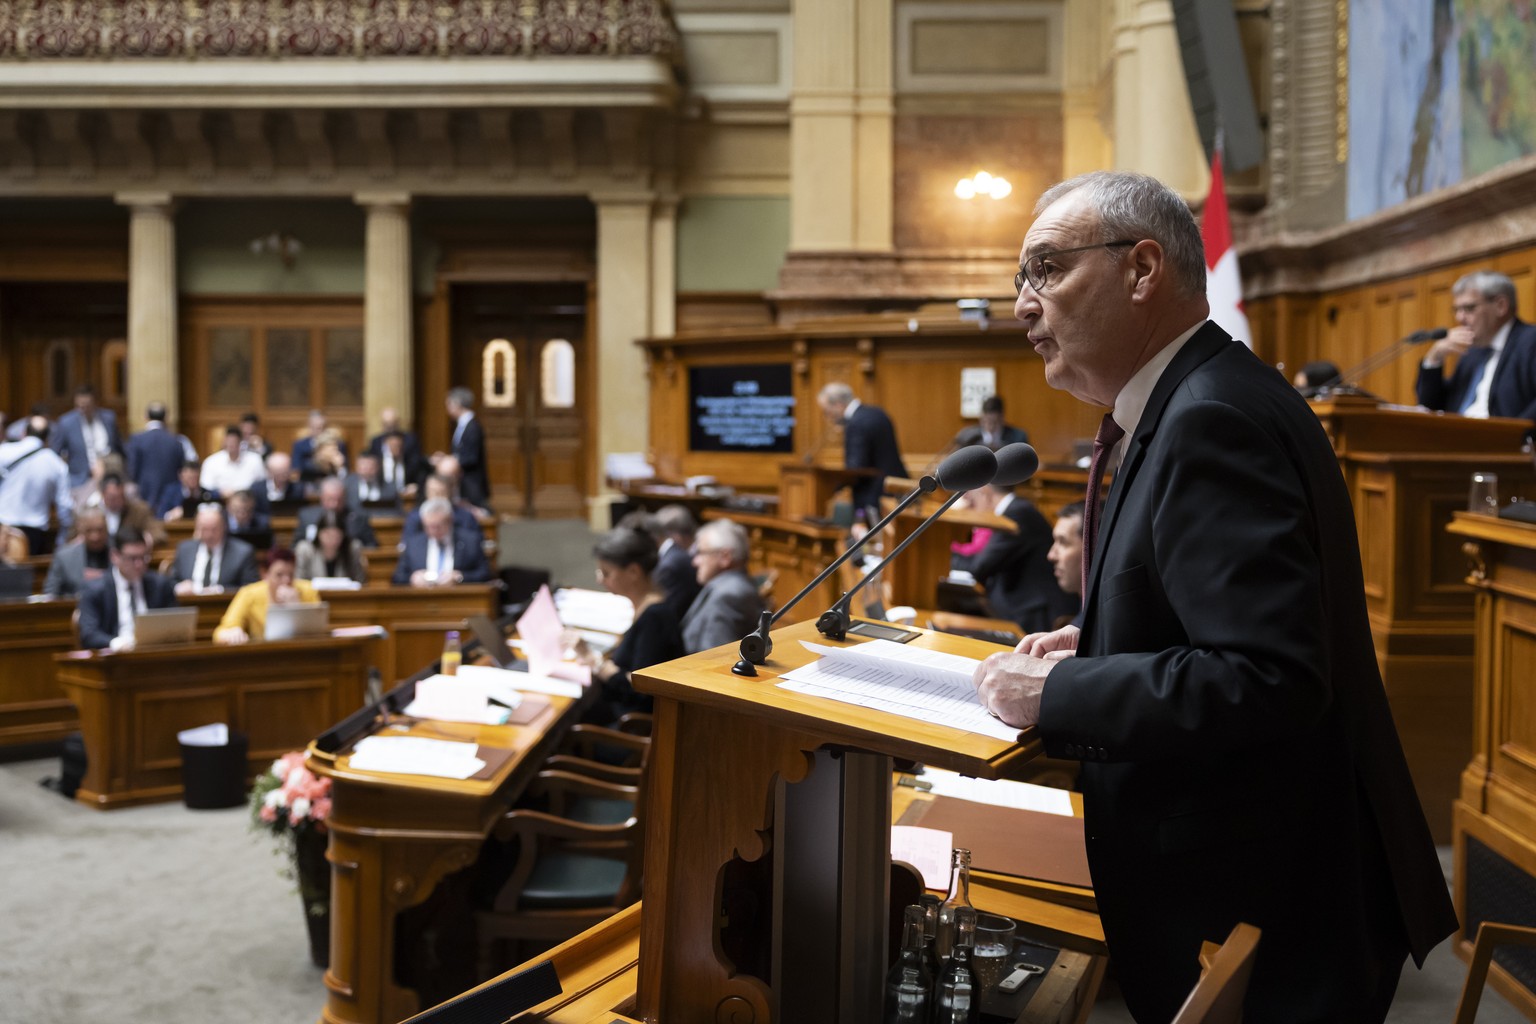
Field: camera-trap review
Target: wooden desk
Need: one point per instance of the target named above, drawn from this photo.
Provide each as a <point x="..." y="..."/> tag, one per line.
<point x="807" y="490"/>
<point x="415" y="619"/>
<point x="32" y="708"/>
<point x="912" y="578"/>
<point x="1495" y="817"/>
<point x="132" y="705"/>
<point x="394" y="838"/>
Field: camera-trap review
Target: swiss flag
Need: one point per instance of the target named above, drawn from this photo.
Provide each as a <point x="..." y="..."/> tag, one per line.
<point x="1223" y="284"/>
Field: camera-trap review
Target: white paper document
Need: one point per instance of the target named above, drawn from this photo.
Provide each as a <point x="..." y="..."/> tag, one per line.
<point x="416" y="755"/>
<point x="498" y="684"/>
<point x="899" y="679"/>
<point x="927" y="849"/>
<point x="1021" y="796"/>
<point x="596" y="610"/>
<point x="452" y="699"/>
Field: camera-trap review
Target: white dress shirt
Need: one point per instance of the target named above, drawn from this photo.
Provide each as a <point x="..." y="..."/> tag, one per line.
<point x="130" y="602"/>
<point x="439" y="558"/>
<point x="224" y="475"/>
<point x="32" y="487"/>
<point x="1478" y="408"/>
<point x="202" y="569"/>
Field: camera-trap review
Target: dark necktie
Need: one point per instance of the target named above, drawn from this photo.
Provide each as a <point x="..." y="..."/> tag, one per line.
<point x="1104" y="441"/>
<point x="208" y="565"/>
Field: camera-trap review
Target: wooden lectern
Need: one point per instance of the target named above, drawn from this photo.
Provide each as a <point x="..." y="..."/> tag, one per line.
<point x="767" y="859"/>
<point x="807" y="490"/>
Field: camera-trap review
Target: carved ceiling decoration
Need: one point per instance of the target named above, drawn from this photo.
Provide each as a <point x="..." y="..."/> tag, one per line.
<point x="115" y="29"/>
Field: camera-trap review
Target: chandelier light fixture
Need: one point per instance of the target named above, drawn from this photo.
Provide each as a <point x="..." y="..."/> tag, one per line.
<point x="982" y="184"/>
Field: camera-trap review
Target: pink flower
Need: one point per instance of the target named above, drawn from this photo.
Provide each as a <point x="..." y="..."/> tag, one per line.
<point x="321" y="810"/>
<point x="268" y="814"/>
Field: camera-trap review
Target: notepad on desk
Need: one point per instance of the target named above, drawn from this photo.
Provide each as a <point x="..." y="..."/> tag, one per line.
<point x="913" y="682"/>
<point x="416" y="755"/>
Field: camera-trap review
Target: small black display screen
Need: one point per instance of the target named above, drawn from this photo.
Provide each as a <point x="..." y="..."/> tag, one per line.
<point x="748" y="408"/>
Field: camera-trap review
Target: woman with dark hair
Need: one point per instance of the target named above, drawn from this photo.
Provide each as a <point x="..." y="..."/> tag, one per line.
<point x="331" y="554"/>
<point x="625" y="561"/>
<point x="246" y="617"/>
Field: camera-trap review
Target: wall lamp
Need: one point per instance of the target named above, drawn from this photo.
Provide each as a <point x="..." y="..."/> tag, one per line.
<point x="982" y="184"/>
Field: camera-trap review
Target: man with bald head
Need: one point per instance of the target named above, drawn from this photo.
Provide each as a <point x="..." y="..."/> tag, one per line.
<point x="84" y="560"/>
<point x="281" y="485"/>
<point x="333" y="502"/>
<point x="1239" y="760"/>
<point x="212" y="561"/>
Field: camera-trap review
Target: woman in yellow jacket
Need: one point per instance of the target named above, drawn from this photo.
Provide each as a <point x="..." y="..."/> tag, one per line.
<point x="246" y="616"/>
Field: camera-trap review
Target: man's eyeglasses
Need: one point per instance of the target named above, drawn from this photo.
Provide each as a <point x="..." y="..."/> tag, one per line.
<point x="1467" y="308"/>
<point x="1038" y="268"/>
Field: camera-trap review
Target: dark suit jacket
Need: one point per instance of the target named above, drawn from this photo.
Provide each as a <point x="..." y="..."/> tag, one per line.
<point x="353" y="489"/>
<point x="410" y="449"/>
<point x="972" y="435"/>
<point x="677" y="579"/>
<point x="470" y="451"/>
<point x="304" y="451"/>
<point x="66" y="572"/>
<point x="68" y="439"/>
<point x="98" y="607"/>
<point x="463" y="520"/>
<point x="1021" y="585"/>
<point x="869" y="442"/>
<point x="293" y="492"/>
<point x="154" y="459"/>
<point x="357" y="526"/>
<point x="468" y="557"/>
<point x="173" y="496"/>
<point x="1240" y="760"/>
<point x="726" y="610"/>
<point x="1513" y="392"/>
<point x="237" y="567"/>
<point x="416" y="467"/>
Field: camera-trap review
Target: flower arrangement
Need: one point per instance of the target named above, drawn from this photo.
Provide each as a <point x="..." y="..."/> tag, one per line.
<point x="293" y="804"/>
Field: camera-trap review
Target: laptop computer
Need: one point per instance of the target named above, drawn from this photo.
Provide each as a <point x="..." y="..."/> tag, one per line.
<point x="287" y="621"/>
<point x="15" y="582"/>
<point x="494" y="642"/>
<point x="164" y="626"/>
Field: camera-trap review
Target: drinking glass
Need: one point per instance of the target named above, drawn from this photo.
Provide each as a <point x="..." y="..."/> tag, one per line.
<point x="994" y="950"/>
<point x="1483" y="498"/>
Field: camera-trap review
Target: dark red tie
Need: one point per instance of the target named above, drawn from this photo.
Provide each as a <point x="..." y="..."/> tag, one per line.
<point x="1104" y="441"/>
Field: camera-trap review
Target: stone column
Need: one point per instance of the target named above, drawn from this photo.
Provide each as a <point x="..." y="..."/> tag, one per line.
<point x="387" y="358"/>
<point x="1154" y="126"/>
<point x="664" y="267"/>
<point x="153" y="345"/>
<point x="625" y="290"/>
<point x="840" y="113"/>
<point x="1086" y="53"/>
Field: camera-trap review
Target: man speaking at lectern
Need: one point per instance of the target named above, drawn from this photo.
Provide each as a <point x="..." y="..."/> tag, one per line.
<point x="1495" y="354"/>
<point x="1239" y="760"/>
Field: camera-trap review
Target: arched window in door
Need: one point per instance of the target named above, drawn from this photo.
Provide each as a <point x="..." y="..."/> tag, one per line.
<point x="557" y="374"/>
<point x="498" y="375"/>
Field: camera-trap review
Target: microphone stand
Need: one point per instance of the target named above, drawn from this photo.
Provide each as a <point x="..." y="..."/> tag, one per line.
<point x="834" y="621"/>
<point x="1344" y="383"/>
<point x="757" y="645"/>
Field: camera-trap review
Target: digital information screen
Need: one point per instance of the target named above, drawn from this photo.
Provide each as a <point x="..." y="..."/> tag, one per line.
<point x="741" y="408"/>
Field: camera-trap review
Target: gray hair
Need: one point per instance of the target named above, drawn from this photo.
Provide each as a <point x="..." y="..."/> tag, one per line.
<point x="462" y="397"/>
<point x="1490" y="284"/>
<point x="726" y="535"/>
<point x="1138" y="206"/>
<point x="435" y="507"/>
<point x="836" y="393"/>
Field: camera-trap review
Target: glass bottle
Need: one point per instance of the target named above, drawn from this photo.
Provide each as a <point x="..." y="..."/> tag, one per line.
<point x="930" y="904"/>
<point x="959" y="896"/>
<point x="909" y="986"/>
<point x="957" y="997"/>
<point x="452" y="655"/>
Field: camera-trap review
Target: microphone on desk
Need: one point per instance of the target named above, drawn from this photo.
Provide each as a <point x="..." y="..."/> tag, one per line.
<point x="965" y="469"/>
<point x="1016" y="463"/>
<point x="1344" y="383"/>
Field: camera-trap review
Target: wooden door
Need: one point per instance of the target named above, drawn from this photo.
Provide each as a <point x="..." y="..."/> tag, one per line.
<point x="54" y="338"/>
<point x="522" y="349"/>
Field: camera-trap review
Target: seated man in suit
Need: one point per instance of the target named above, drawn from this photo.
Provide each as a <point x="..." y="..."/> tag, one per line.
<point x="400" y="465"/>
<point x="185" y="495"/>
<point x="246" y="617"/>
<point x="1495" y="371"/>
<point x="991" y="430"/>
<point x="232" y="469"/>
<point x="1013" y="567"/>
<point x="304" y="449"/>
<point x="245" y="522"/>
<point x="333" y="500"/>
<point x="441" y="555"/>
<point x="439" y="487"/>
<point x="212" y="561"/>
<point x="112" y="498"/>
<point x="251" y="439"/>
<point x="728" y="607"/>
<point x="84" y="560"/>
<point x="365" y="489"/>
<point x="108" y="605"/>
<point x="673" y="528"/>
<point x="280" y="485"/>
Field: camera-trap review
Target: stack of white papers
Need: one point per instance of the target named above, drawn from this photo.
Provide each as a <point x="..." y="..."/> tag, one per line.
<point x="593" y="609"/>
<point x="416" y="755"/>
<point x="451" y="699"/>
<point x="929" y="686"/>
<point x="1023" y="796"/>
<point x="335" y="583"/>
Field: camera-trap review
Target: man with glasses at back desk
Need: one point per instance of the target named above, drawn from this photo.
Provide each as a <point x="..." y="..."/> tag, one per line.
<point x="108" y="605"/>
<point x="1495" y="371"/>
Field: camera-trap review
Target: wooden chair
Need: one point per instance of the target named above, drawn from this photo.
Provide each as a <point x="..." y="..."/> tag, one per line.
<point x="14" y="545"/>
<point x="568" y="875"/>
<point x="1217" y="997"/>
<point x="764" y="581"/>
<point x="1489" y="935"/>
<point x="609" y="755"/>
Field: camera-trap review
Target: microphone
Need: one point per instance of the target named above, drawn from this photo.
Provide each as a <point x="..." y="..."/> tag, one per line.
<point x="1344" y="383"/>
<point x="1016" y="463"/>
<point x="965" y="469"/>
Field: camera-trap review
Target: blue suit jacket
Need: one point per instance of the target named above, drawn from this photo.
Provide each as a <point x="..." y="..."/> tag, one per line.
<point x="154" y="460"/>
<point x="1513" y="392"/>
<point x="68" y="439"/>
<point x="869" y="442"/>
<point x="98" y="607"/>
<point x="468" y="557"/>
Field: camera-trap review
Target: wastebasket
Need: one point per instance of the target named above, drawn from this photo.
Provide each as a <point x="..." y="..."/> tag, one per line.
<point x="213" y="763"/>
